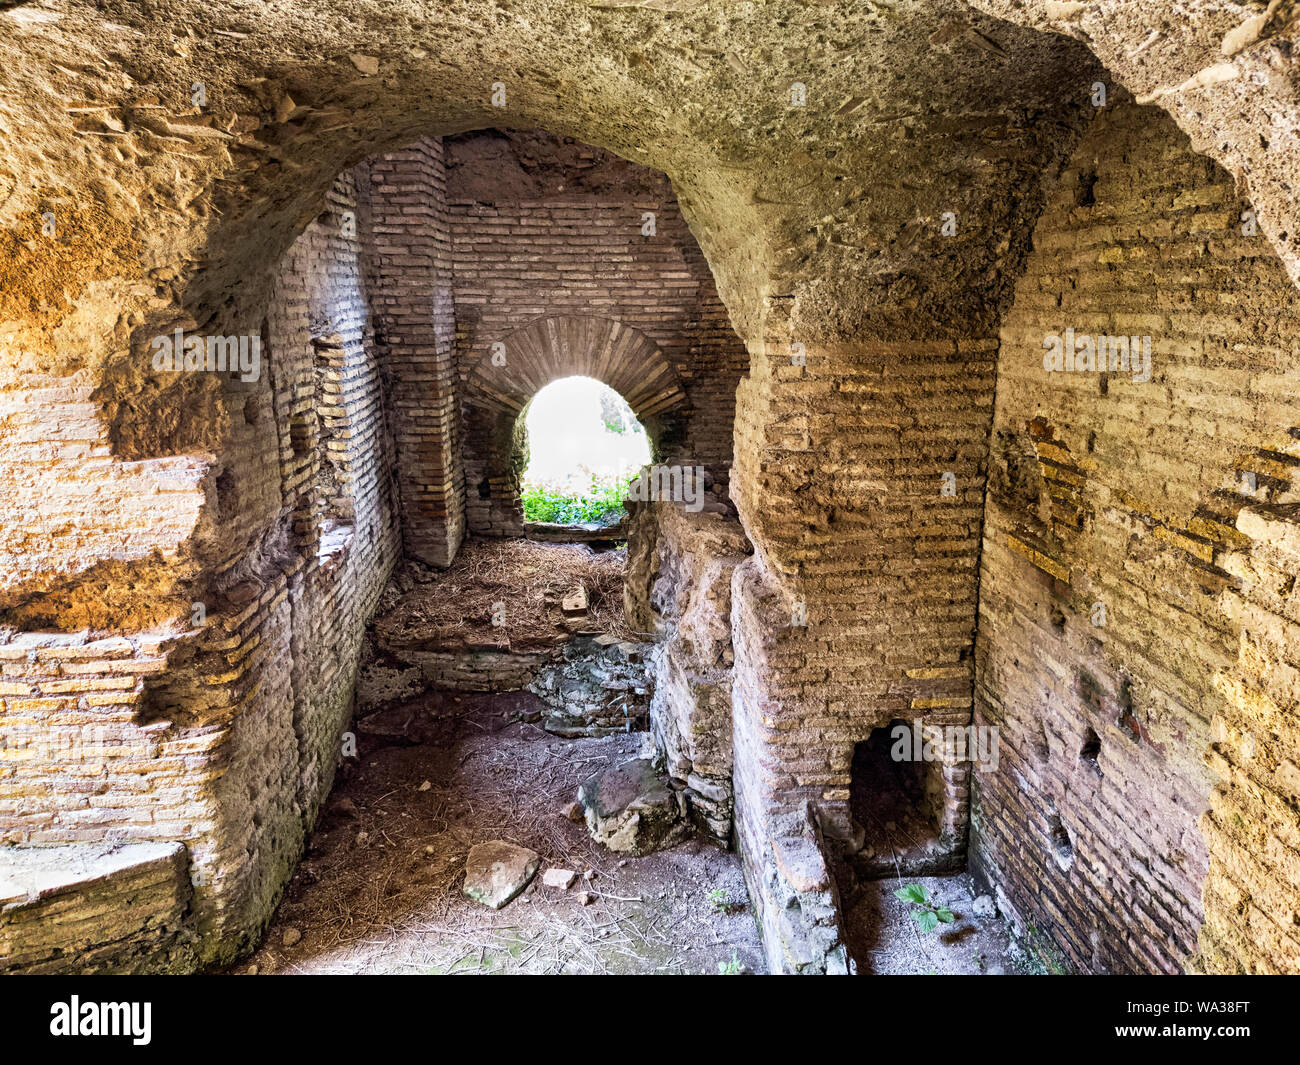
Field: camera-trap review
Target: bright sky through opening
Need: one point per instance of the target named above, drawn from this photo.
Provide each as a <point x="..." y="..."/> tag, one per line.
<point x="568" y="440"/>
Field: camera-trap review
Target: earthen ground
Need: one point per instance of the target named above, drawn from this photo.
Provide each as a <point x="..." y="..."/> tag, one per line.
<point x="884" y="940"/>
<point x="380" y="889"/>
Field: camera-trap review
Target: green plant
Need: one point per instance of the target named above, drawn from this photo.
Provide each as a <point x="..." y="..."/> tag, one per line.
<point x="721" y="903"/>
<point x="927" y="913"/>
<point x="1041" y="956"/>
<point x="731" y="968"/>
<point x="549" y="503"/>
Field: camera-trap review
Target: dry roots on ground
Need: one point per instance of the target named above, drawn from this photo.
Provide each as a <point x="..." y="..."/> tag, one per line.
<point x="456" y="604"/>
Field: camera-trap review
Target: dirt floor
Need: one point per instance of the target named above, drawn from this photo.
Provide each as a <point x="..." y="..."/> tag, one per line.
<point x="380" y="889"/>
<point x="452" y="609"/>
<point x="885" y="940"/>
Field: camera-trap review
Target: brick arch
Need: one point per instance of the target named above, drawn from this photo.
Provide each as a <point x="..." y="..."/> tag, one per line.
<point x="558" y="346"/>
<point x="545" y="350"/>
<point x="834" y="256"/>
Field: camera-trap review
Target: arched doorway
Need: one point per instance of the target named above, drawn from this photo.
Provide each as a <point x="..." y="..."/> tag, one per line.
<point x="583" y="445"/>
<point x="511" y="371"/>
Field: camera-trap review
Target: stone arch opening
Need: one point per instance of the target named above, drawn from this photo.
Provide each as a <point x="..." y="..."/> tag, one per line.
<point x="511" y="371"/>
<point x="579" y="445"/>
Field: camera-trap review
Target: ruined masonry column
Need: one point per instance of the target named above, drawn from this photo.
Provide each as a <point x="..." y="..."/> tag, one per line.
<point x="411" y="301"/>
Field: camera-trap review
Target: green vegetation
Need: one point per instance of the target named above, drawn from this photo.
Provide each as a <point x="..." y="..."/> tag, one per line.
<point x="602" y="503"/>
<point x="731" y="968"/>
<point x="721" y="902"/>
<point x="927" y="914"/>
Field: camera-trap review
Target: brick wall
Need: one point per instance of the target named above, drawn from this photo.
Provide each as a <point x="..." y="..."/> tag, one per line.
<point x="839" y="478"/>
<point x="223" y="731"/>
<point x="583" y="258"/>
<point x="409" y="271"/>
<point x="1252" y="828"/>
<point x="116" y="909"/>
<point x="1112" y="511"/>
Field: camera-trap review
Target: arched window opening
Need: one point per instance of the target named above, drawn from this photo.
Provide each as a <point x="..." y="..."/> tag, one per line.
<point x="583" y="446"/>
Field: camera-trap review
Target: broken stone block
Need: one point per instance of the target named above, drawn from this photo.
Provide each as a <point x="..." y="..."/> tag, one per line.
<point x="629" y="808"/>
<point x="98" y="907"/>
<point x="802" y="864"/>
<point x="497" y="872"/>
<point x="559" y="878"/>
<point x="575" y="602"/>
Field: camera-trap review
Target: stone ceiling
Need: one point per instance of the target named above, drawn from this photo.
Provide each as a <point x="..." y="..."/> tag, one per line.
<point x="821" y="222"/>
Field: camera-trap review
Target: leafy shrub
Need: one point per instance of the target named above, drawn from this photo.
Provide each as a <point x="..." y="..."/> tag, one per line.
<point x="602" y="503"/>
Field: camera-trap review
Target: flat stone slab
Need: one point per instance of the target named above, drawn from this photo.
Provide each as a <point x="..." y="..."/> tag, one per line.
<point x="559" y="878"/>
<point x="629" y="808"/>
<point x="90" y="908"/>
<point x="33" y="874"/>
<point x="497" y="872"/>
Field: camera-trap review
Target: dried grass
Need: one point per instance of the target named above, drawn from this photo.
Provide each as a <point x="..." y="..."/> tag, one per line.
<point x="453" y="607"/>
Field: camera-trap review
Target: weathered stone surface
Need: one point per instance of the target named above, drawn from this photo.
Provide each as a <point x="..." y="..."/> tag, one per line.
<point x="678" y="584"/>
<point x="595" y="690"/>
<point x="798" y="904"/>
<point x="496" y="872"/>
<point x="801" y="863"/>
<point x="575" y="602"/>
<point x="629" y="808"/>
<point x="1216" y="68"/>
<point x="559" y="878"/>
<point x="94" y="909"/>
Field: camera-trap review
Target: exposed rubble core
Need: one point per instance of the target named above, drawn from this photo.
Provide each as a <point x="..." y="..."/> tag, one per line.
<point x="972" y="322"/>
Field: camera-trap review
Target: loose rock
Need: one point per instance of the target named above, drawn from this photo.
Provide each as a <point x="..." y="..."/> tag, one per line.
<point x="628" y="808"/>
<point x="498" y="871"/>
<point x="559" y="878"/>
